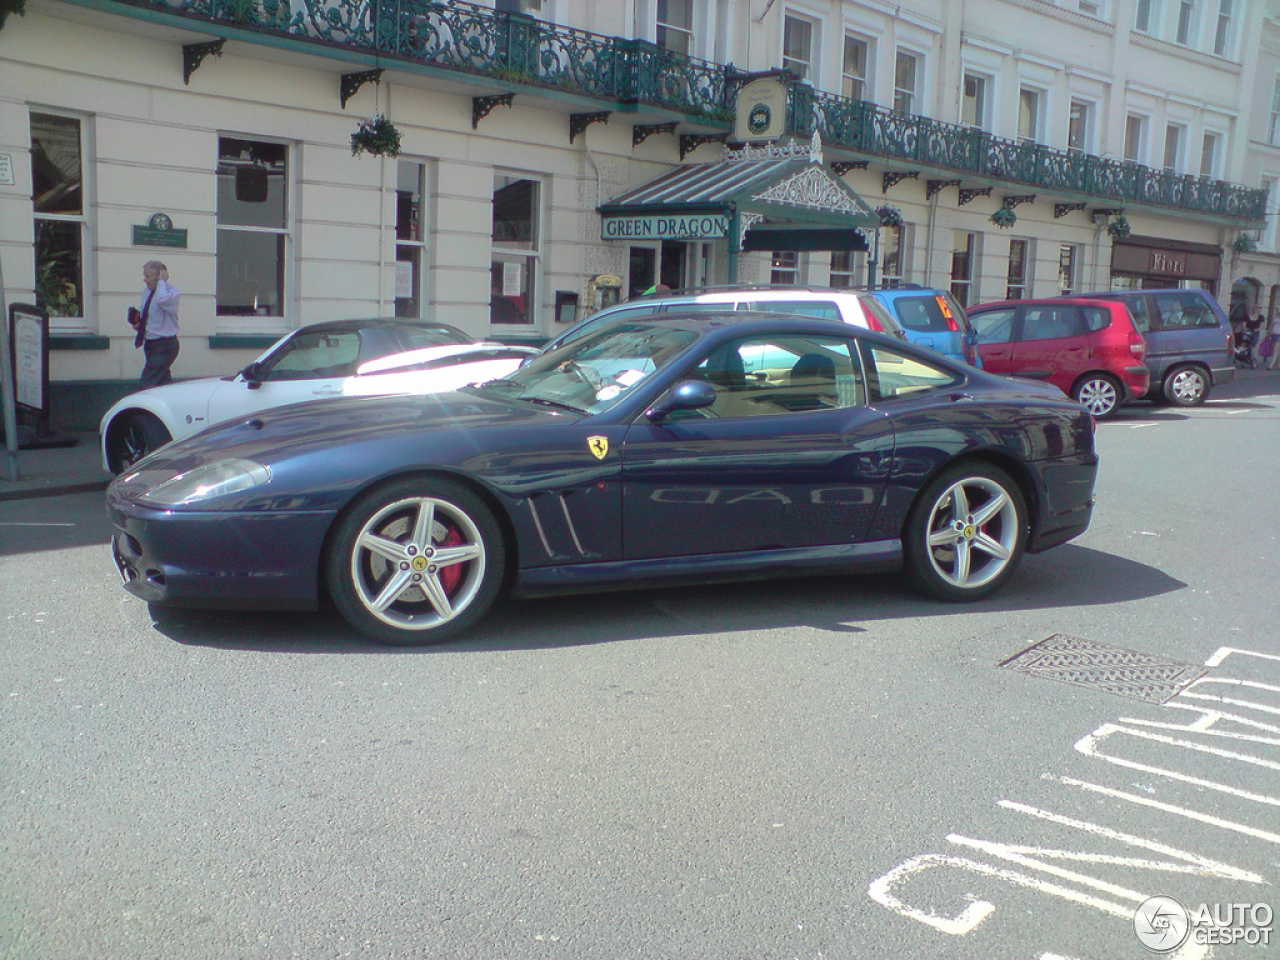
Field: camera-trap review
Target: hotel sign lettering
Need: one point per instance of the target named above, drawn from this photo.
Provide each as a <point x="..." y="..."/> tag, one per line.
<point x="692" y="227"/>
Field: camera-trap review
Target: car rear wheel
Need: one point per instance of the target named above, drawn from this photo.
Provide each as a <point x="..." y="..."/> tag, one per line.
<point x="1100" y="393"/>
<point x="135" y="436"/>
<point x="966" y="533"/>
<point x="1186" y="386"/>
<point x="415" y="561"/>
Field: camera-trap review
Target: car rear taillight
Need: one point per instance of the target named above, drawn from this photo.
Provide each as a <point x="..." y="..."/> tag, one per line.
<point x="1231" y="343"/>
<point x="947" y="315"/>
<point x="1137" y="346"/>
<point x="872" y="322"/>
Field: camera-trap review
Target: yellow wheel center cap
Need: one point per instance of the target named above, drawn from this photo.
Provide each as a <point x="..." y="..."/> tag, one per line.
<point x="419" y="563"/>
<point x="970" y="531"/>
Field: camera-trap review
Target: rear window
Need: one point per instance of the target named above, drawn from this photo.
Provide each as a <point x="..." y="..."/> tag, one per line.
<point x="922" y="314"/>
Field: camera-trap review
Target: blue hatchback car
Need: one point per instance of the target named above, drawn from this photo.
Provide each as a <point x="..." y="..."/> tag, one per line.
<point x="931" y="318"/>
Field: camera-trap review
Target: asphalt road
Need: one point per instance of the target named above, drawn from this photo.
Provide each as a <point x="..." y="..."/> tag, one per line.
<point x="824" y="768"/>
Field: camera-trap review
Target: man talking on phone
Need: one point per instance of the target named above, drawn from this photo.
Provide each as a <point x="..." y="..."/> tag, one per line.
<point x="156" y="324"/>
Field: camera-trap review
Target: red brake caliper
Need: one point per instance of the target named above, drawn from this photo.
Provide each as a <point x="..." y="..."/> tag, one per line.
<point x="450" y="575"/>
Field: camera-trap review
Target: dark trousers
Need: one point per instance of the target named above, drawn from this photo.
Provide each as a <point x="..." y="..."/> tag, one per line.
<point x="160" y="353"/>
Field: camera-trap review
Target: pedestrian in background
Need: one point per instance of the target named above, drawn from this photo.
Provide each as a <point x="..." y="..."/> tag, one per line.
<point x="156" y="325"/>
<point x="1275" y="342"/>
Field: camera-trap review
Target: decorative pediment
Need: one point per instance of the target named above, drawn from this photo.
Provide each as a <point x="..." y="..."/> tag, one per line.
<point x="812" y="187"/>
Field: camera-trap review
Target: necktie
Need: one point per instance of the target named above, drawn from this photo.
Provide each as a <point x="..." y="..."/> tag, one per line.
<point x="141" y="334"/>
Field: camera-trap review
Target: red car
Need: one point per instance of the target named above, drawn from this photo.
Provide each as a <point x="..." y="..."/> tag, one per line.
<point x="1089" y="349"/>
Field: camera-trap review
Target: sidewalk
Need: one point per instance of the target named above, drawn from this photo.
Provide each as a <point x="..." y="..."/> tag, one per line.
<point x="53" y="471"/>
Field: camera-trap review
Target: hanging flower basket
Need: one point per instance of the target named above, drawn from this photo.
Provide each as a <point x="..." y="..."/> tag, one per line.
<point x="1244" y="244"/>
<point x="377" y="136"/>
<point x="1004" y="218"/>
<point x="889" y="216"/>
<point x="11" y="6"/>
<point x="1119" y="227"/>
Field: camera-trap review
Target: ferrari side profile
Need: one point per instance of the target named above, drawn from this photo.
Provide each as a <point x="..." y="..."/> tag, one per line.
<point x="650" y="451"/>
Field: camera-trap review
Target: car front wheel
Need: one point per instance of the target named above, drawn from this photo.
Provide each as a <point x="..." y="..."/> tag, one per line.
<point x="135" y="436"/>
<point x="966" y="533"/>
<point x="1186" y="386"/>
<point x="415" y="561"/>
<point x="1100" y="394"/>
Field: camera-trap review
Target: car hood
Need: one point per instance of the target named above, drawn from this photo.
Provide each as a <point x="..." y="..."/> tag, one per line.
<point x="344" y="438"/>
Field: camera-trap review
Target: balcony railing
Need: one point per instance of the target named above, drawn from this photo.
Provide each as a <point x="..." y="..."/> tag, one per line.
<point x="470" y="39"/>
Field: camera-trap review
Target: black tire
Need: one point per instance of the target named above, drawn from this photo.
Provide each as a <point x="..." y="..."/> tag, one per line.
<point x="1100" y="393"/>
<point x="1186" y="386"/>
<point x="968" y="512"/>
<point x="415" y="561"/>
<point x="132" y="437"/>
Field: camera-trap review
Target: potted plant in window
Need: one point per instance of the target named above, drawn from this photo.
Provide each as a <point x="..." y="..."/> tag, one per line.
<point x="1004" y="217"/>
<point x="1244" y="244"/>
<point x="889" y="216"/>
<point x="376" y="135"/>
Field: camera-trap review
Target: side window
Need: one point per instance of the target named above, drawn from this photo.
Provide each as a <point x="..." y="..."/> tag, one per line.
<point x="315" y="356"/>
<point x="824" y="310"/>
<point x="1169" y="315"/>
<point x="1195" y="312"/>
<point x="1096" y="318"/>
<point x="1138" y="310"/>
<point x="992" y="326"/>
<point x="769" y="376"/>
<point x="891" y="375"/>
<point x="1050" y="323"/>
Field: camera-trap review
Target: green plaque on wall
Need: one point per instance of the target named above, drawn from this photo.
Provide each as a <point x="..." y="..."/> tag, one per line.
<point x="159" y="232"/>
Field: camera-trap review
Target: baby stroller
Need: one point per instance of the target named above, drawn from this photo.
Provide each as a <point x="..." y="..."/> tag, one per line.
<point x="1246" y="340"/>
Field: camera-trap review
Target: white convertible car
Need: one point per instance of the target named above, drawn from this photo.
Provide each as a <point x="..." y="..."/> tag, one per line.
<point x="349" y="358"/>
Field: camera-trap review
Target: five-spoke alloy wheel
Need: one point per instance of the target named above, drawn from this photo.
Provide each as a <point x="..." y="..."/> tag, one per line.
<point x="415" y="561"/>
<point x="137" y="435"/>
<point x="966" y="533"/>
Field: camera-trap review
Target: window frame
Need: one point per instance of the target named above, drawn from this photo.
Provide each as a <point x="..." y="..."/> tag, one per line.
<point x="1085" y="125"/>
<point x="1184" y="32"/>
<point x="413" y="247"/>
<point x="1068" y="268"/>
<point x="529" y="256"/>
<point x="1036" y="114"/>
<point x="964" y="287"/>
<point x="662" y="27"/>
<point x="849" y="81"/>
<point x="981" y="100"/>
<point x="1135" y="147"/>
<point x="60" y="322"/>
<point x="808" y="67"/>
<point x="905" y="98"/>
<point x="1018" y="279"/>
<point x="1148" y="11"/>
<point x="1223" y="33"/>
<point x="1174" y="163"/>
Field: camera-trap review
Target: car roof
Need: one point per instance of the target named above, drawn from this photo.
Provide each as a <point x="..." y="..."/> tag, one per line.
<point x="746" y="322"/>
<point x="337" y="326"/>
<point x="1087" y="300"/>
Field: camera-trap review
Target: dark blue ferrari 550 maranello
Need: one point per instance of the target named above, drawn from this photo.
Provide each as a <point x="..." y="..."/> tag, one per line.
<point x="674" y="450"/>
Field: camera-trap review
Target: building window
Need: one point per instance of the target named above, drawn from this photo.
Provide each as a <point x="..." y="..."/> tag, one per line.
<point x="675" y="25"/>
<point x="1068" y="268"/>
<point x="784" y="268"/>
<point x="906" y="70"/>
<point x="1091" y="8"/>
<point x="1186" y="18"/>
<point x="893" y="255"/>
<point x="1222" y="36"/>
<point x="1029" y="114"/>
<point x="973" y="105"/>
<point x="1268" y="241"/>
<point x="1078" y="125"/>
<point x="1145" y="16"/>
<point x="411" y="179"/>
<point x="1016" y="287"/>
<point x="1172" y="147"/>
<point x="1273" y="130"/>
<point x="962" y="267"/>
<point x="57" y="200"/>
<point x="1134" y="136"/>
<point x="855" y="68"/>
<point x="846" y="267"/>
<point x="253" y="232"/>
<point x="797" y="46"/>
<point x="516" y="244"/>
<point x="1209" y="152"/>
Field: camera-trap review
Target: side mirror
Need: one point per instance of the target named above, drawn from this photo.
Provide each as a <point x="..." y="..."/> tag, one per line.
<point x="252" y="375"/>
<point x="685" y="395"/>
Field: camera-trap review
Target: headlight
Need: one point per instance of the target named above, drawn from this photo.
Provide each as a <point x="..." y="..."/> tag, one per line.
<point x="204" y="483"/>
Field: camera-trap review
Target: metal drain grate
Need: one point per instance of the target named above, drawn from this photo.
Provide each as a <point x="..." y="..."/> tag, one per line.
<point x="1125" y="673"/>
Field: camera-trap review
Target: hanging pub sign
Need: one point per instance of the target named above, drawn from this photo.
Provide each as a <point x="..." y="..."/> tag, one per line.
<point x="761" y="112"/>
<point x="159" y="232"/>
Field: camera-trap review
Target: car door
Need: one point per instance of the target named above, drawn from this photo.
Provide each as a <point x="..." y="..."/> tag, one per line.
<point x="1052" y="345"/>
<point x="789" y="455"/>
<point x="311" y="365"/>
<point x="995" y="332"/>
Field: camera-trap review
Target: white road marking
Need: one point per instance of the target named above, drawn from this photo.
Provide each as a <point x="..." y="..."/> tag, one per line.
<point x="1221" y="654"/>
<point x="6" y="523"/>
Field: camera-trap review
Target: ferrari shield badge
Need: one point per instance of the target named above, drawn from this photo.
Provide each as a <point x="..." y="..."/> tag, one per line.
<point x="598" y="446"/>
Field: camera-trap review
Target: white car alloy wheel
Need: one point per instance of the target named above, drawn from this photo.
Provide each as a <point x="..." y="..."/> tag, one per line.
<point x="966" y="533"/>
<point x="1186" y="387"/>
<point x="416" y="561"/>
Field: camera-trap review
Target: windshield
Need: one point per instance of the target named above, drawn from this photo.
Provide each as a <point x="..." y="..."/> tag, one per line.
<point x="595" y="372"/>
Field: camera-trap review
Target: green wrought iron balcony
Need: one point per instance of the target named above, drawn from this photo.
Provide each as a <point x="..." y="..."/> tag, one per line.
<point x="635" y="75"/>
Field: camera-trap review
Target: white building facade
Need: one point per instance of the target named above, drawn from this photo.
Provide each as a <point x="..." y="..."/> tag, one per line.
<point x="1014" y="148"/>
